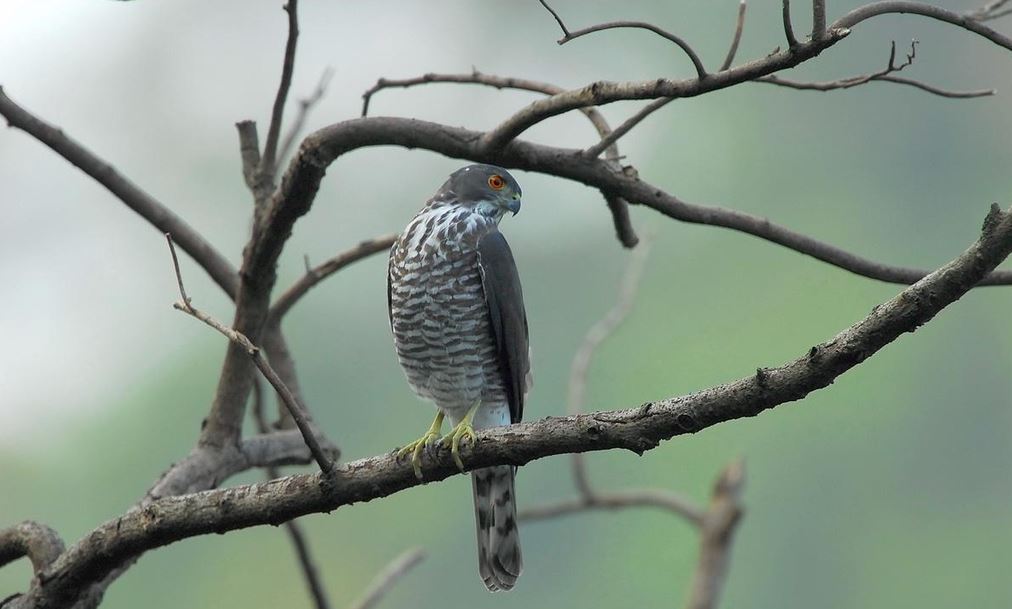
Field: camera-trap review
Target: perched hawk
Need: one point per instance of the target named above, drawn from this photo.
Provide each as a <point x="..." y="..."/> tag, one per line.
<point x="460" y="330"/>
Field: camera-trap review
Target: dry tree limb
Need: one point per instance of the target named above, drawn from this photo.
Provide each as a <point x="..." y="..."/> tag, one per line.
<point x="388" y="577"/>
<point x="884" y="75"/>
<point x="40" y="543"/>
<point x="298" y="538"/>
<point x="716" y="536"/>
<point x="268" y="161"/>
<point x="149" y="208"/>
<point x="818" y="19"/>
<point x="689" y="51"/>
<point x="612" y="137"/>
<point x="639" y="429"/>
<point x="617" y="205"/>
<point x="296" y="409"/>
<point x="738" y="29"/>
<point x="792" y="40"/>
<point x="317" y="274"/>
<point x="306" y="105"/>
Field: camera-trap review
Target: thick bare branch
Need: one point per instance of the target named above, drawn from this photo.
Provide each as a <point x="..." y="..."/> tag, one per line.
<point x="618" y="206"/>
<point x="267" y="163"/>
<point x="157" y="214"/>
<point x="40" y="543"/>
<point x="818" y="19"/>
<point x="326" y="145"/>
<point x="716" y="535"/>
<point x="388" y="578"/>
<point x="638" y="429"/>
<point x="739" y="27"/>
<point x="298" y="412"/>
<point x="884" y="7"/>
<point x="315" y="275"/>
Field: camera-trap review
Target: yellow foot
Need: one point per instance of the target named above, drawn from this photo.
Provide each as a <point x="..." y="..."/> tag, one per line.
<point x="415" y="448"/>
<point x="461" y="430"/>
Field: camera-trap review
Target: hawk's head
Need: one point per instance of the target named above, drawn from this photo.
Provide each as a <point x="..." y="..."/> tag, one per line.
<point x="489" y="190"/>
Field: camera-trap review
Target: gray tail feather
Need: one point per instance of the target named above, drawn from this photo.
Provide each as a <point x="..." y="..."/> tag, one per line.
<point x="495" y="517"/>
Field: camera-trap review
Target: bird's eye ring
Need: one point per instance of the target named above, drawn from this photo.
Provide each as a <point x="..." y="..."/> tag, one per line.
<point x="496" y="182"/>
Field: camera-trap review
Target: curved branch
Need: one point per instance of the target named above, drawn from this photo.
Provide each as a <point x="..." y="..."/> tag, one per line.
<point x="40" y="543"/>
<point x="157" y="214"/>
<point x="638" y="429"/>
<point x="618" y="206"/>
<point x="642" y="25"/>
<point x="925" y="10"/>
<point x="618" y="500"/>
<point x="736" y="39"/>
<point x="600" y="93"/>
<point x="326" y="145"/>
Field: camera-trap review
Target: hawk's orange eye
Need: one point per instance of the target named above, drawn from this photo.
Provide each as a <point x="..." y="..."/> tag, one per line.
<point x="496" y="182"/>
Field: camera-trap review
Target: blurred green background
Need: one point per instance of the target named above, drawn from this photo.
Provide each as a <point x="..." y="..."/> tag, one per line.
<point x="889" y="488"/>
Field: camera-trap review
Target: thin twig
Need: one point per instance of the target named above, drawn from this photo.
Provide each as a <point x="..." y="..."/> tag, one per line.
<point x="608" y="140"/>
<point x="292" y="527"/>
<point x="642" y="25"/>
<point x="306" y="105"/>
<point x="315" y="275"/>
<point x="618" y="500"/>
<point x="716" y="537"/>
<point x="300" y="415"/>
<point x="738" y="29"/>
<point x="267" y="163"/>
<point x="388" y="577"/>
<point x="792" y="40"/>
<point x="558" y="19"/>
<point x="885" y="75"/>
<point x="989" y="11"/>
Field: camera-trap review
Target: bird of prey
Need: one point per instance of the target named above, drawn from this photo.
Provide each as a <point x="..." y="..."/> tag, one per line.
<point x="460" y="331"/>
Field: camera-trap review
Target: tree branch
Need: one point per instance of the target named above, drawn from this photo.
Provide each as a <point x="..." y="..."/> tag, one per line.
<point x="315" y="275"/>
<point x="618" y="206"/>
<point x="298" y="412"/>
<point x="792" y="41"/>
<point x="40" y="543"/>
<point x="305" y="107"/>
<point x="267" y="163"/>
<point x="326" y="145"/>
<point x="884" y="7"/>
<point x="717" y="533"/>
<point x="818" y="19"/>
<point x="157" y="214"/>
<point x="639" y="429"/>
<point x="388" y="577"/>
<point x="292" y="527"/>
<point x="886" y="75"/>
<point x="610" y="139"/>
<point x="738" y="29"/>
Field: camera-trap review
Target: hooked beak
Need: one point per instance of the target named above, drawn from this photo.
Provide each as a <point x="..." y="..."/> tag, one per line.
<point x="514" y="205"/>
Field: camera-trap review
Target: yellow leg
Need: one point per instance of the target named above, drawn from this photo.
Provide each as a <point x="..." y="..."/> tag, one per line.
<point x="460" y="430"/>
<point x="415" y="448"/>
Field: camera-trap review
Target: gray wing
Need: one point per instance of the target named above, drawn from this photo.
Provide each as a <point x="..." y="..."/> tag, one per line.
<point x="505" y="300"/>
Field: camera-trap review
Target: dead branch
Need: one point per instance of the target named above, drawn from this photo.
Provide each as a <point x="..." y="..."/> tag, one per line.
<point x="306" y="105"/>
<point x="716" y="536"/>
<point x="884" y="75"/>
<point x="269" y="159"/>
<point x="40" y="543"/>
<point x="736" y="39"/>
<point x="388" y="577"/>
<point x="299" y="414"/>
<point x="792" y="41"/>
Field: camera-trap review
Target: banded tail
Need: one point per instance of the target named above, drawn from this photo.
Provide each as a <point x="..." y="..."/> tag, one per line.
<point x="495" y="517"/>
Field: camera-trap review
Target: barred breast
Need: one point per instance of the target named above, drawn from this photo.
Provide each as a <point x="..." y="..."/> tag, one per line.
<point x="438" y="313"/>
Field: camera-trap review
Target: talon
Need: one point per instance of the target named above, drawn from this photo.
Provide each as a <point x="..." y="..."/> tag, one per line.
<point x="464" y="429"/>
<point x="415" y="448"/>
